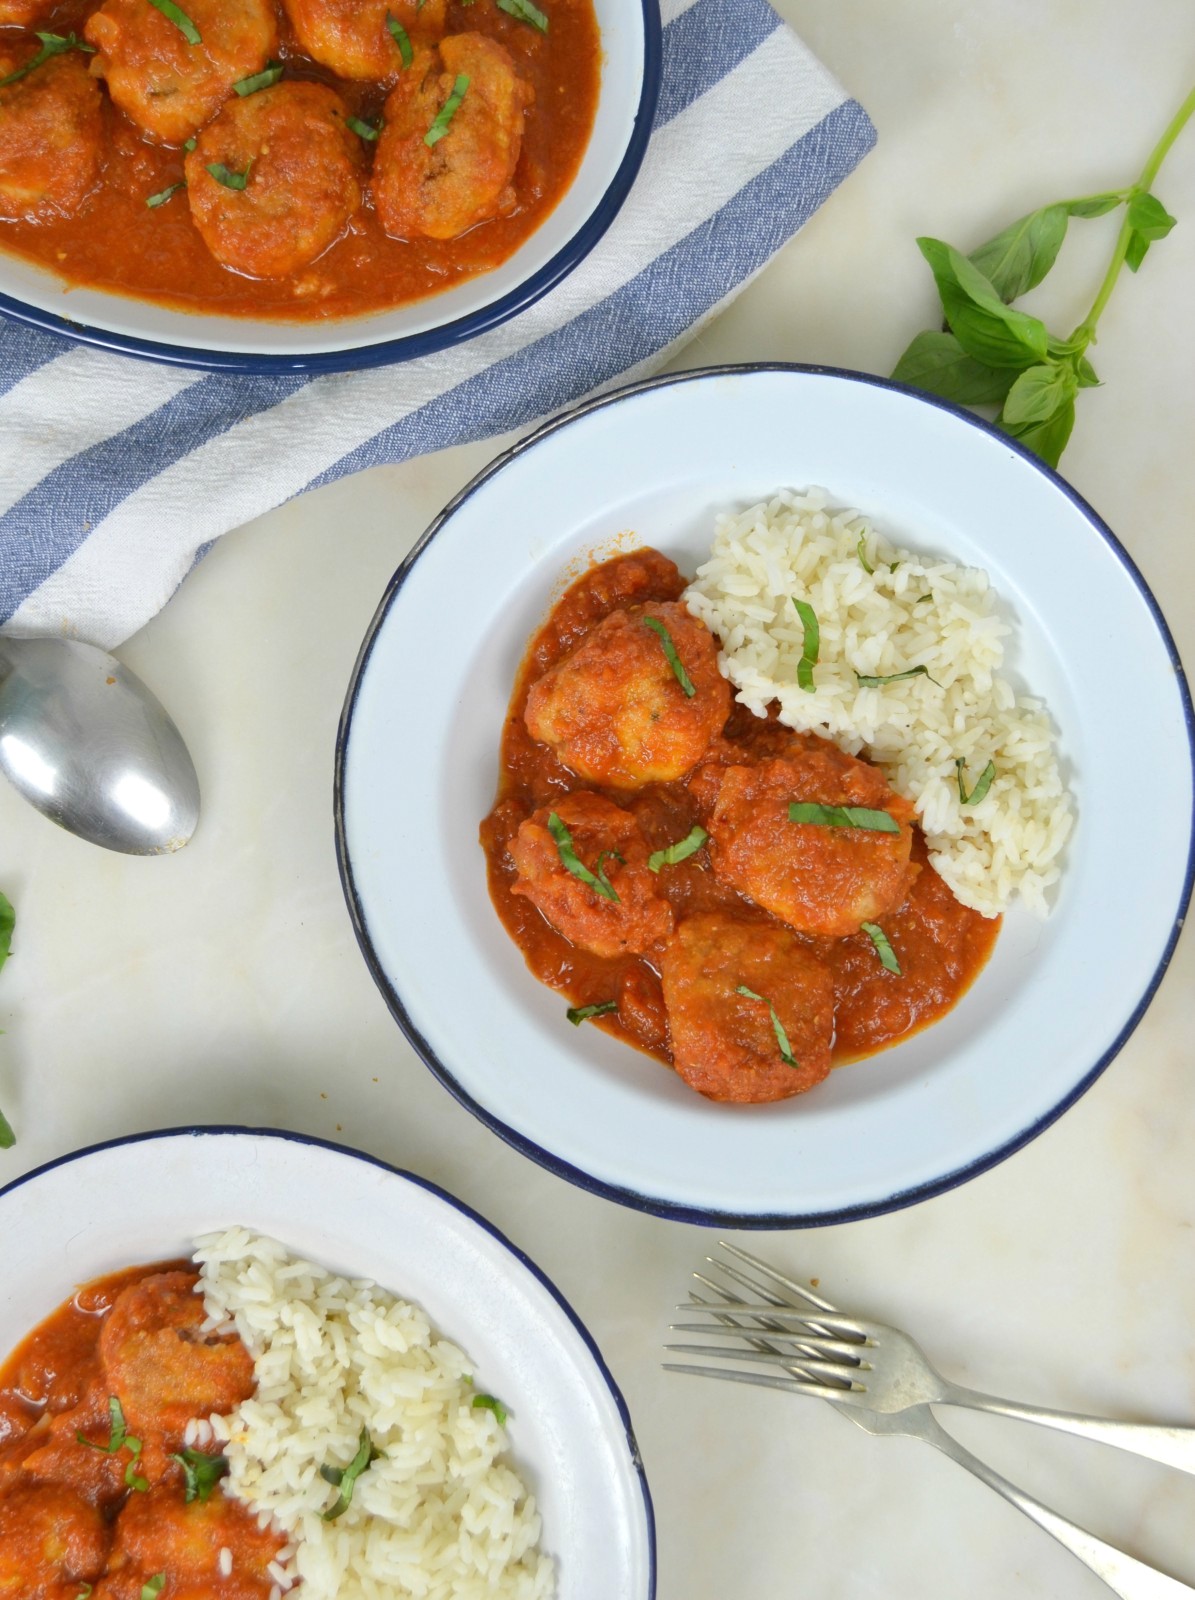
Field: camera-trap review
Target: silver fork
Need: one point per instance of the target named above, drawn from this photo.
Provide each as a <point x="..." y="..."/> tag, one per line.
<point x="800" y="1345"/>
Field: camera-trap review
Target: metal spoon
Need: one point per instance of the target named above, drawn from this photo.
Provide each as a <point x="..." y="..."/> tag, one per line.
<point x="85" y="742"/>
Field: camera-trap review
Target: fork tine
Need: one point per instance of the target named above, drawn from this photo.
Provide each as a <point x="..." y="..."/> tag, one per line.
<point x="774" y="1358"/>
<point x="751" y="1332"/>
<point x="762" y="1380"/>
<point x="824" y="1347"/>
<point x="799" y="1289"/>
<point x="782" y="1315"/>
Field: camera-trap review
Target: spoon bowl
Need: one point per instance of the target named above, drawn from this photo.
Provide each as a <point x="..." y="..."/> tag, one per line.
<point x="87" y="744"/>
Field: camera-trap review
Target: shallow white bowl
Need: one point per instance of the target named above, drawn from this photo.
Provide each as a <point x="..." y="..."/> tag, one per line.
<point x="417" y="767"/>
<point x="630" y="34"/>
<point x="145" y="1199"/>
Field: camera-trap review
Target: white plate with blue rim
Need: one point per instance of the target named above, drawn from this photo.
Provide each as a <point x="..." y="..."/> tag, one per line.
<point x="417" y="765"/>
<point x="87" y="1215"/>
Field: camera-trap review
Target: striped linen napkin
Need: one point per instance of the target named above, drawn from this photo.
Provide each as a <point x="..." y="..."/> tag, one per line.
<point x="114" y="472"/>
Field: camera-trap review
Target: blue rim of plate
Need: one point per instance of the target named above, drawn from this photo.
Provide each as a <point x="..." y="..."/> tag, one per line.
<point x="203" y="1130"/>
<point x="410" y="346"/>
<point x="651" y="1204"/>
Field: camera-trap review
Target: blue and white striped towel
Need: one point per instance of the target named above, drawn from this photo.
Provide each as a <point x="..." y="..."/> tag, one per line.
<point x="114" y="472"/>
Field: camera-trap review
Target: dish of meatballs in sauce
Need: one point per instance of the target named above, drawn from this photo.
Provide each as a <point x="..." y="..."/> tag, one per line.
<point x="746" y="903"/>
<point x="305" y="160"/>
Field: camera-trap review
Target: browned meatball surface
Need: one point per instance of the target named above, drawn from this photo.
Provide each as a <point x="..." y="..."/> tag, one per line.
<point x="162" y="1365"/>
<point x="51" y="136"/>
<point x="819" y="879"/>
<point x="51" y="1542"/>
<point x="614" y="710"/>
<point x="23" y="14"/>
<point x="352" y="37"/>
<point x="437" y="191"/>
<point x="159" y="1532"/>
<point x="724" y="1042"/>
<point x="631" y="917"/>
<point x="166" y="84"/>
<point x="301" y="166"/>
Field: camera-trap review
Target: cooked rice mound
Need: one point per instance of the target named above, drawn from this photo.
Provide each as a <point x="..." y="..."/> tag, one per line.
<point x="910" y="610"/>
<point x="441" y="1515"/>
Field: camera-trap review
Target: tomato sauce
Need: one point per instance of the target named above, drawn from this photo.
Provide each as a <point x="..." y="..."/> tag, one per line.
<point x="942" y="944"/>
<point x="117" y="243"/>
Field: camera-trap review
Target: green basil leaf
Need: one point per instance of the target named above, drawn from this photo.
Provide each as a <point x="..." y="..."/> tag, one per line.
<point x="985" y="327"/>
<point x="982" y="785"/>
<point x="52" y="44"/>
<point x="180" y="19"/>
<point x="201" y="1473"/>
<point x="842" y="817"/>
<point x="599" y="871"/>
<point x="570" y="860"/>
<point x="401" y="38"/>
<point x="525" y="12"/>
<point x="786" y="1054"/>
<point x="1047" y="438"/>
<point x="868" y="682"/>
<point x="230" y="180"/>
<point x="680" y="851"/>
<point x="1086" y="374"/>
<point x="447" y="111"/>
<point x="488" y="1402"/>
<point x="1093" y="205"/>
<point x="1149" y="221"/>
<point x="579" y="1014"/>
<point x="118" y="1433"/>
<point x="265" y="79"/>
<point x="364" y="130"/>
<point x="670" y="651"/>
<point x="7" y="1137"/>
<point x="1039" y="392"/>
<point x="189" y="144"/>
<point x="163" y="195"/>
<point x="861" y="548"/>
<point x="811" y="648"/>
<point x="1018" y="258"/>
<point x="884" y="948"/>
<point x="8" y="921"/>
<point x="345" y="1478"/>
<point x="152" y="1589"/>
<point x="937" y="363"/>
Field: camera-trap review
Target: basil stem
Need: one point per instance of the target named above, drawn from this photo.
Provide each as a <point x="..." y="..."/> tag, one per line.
<point x="52" y="44"/>
<point x="812" y="645"/>
<point x="447" y="111"/>
<point x="180" y="19"/>
<point x="401" y="38"/>
<point x="786" y="1054"/>
<point x="883" y="946"/>
<point x="579" y="1014"/>
<point x="163" y="195"/>
<point x="982" y="784"/>
<point x="344" y="1478"/>
<point x="230" y="180"/>
<point x="525" y="12"/>
<point x="489" y="1402"/>
<point x="670" y="652"/>
<point x="866" y="682"/>
<point x="572" y="862"/>
<point x="680" y="851"/>
<point x="843" y="817"/>
<point x="265" y="79"/>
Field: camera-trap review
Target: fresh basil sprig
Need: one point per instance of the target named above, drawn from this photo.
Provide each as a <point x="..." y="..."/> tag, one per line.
<point x="991" y="355"/>
<point x="8" y="921"/>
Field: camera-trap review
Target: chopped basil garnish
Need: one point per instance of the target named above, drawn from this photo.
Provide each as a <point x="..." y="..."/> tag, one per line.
<point x="884" y="949"/>
<point x="7" y="1137"/>
<point x="84" y="1593"/>
<point x="599" y="872"/>
<point x="680" y="851"/>
<point x="189" y="144"/>
<point x="230" y="180"/>
<point x="8" y="921"/>
<point x="813" y="644"/>
<point x="982" y="785"/>
<point x="579" y="1014"/>
<point x="525" y="12"/>
<point x="364" y="130"/>
<point x="786" y="1054"/>
<point x="118" y="1432"/>
<point x="401" y="38"/>
<point x="572" y="862"/>
<point x="52" y="44"/>
<point x="489" y="1402"/>
<point x="674" y="661"/>
<point x="865" y="682"/>
<point x="861" y="547"/>
<point x="920" y="598"/>
<point x="447" y="111"/>
<point x="184" y="25"/>
<point x="152" y="1589"/>
<point x="265" y="79"/>
<point x="163" y="195"/>
<point x="344" y="1478"/>
<point x="201" y="1473"/>
<point x="842" y="817"/>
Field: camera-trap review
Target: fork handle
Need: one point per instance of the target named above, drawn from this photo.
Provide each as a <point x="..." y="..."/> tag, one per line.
<point x="1174" y="1447"/>
<point x="1124" y="1574"/>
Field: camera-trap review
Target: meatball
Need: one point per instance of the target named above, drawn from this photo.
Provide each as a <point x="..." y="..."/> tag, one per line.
<point x="165" y="84"/>
<point x="593" y="921"/>
<point x="439" y="190"/>
<point x="159" y="1362"/>
<point x="22" y="14"/>
<point x="51" y="138"/>
<point x="613" y="709"/>
<point x="48" y="1538"/>
<point x="159" y="1532"/>
<point x="725" y="1043"/>
<point x="302" y="165"/>
<point x="352" y="38"/>
<point x="820" y="879"/>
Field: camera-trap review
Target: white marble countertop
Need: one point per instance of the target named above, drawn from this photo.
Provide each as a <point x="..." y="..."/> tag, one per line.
<point x="224" y="984"/>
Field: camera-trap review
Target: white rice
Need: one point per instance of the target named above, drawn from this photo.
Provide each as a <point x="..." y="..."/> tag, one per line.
<point x="880" y="623"/>
<point x="442" y="1515"/>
